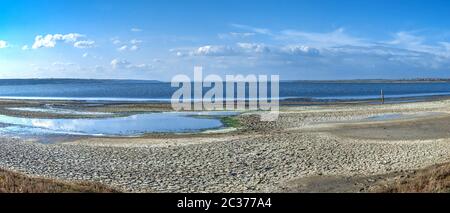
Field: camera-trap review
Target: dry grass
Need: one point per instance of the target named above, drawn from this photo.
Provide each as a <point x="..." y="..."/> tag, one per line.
<point x="12" y="182"/>
<point x="432" y="179"/>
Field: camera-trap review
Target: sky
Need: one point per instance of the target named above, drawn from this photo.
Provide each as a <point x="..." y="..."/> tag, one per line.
<point x="158" y="39"/>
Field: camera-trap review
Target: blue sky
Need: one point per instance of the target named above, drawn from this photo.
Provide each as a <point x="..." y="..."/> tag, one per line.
<point x="340" y="39"/>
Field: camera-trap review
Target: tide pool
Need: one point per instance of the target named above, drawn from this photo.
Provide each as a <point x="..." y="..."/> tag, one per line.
<point x="134" y="125"/>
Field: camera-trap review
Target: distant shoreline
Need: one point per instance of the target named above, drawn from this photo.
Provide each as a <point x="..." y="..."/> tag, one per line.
<point x="412" y="80"/>
<point x="282" y="100"/>
<point x="375" y="81"/>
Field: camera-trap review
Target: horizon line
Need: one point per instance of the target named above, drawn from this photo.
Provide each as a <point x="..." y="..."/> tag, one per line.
<point x="295" y="80"/>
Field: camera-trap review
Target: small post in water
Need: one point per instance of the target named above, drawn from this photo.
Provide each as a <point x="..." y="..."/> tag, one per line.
<point x="382" y="97"/>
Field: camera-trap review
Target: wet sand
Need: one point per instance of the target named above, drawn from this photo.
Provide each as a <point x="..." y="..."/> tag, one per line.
<point x="119" y="109"/>
<point x="413" y="129"/>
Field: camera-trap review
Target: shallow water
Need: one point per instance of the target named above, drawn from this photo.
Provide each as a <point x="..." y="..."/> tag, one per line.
<point x="169" y="122"/>
<point x="396" y="116"/>
<point x="59" y="111"/>
<point x="386" y="117"/>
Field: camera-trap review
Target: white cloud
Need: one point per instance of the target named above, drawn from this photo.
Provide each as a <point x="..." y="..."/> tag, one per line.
<point x="122" y="48"/>
<point x="134" y="48"/>
<point x="132" y="45"/>
<point x="49" y="41"/>
<point x="58" y="63"/>
<point x="25" y="47"/>
<point x="402" y="44"/>
<point x="84" y="44"/>
<point x="300" y="50"/>
<point x="69" y="38"/>
<point x="322" y="40"/>
<point x="253" y="47"/>
<point x="140" y="66"/>
<point x="405" y="38"/>
<point x="213" y="50"/>
<point x="136" y="29"/>
<point x="180" y="54"/>
<point x="334" y="50"/>
<point x="135" y="41"/>
<point x="118" y="64"/>
<point x="115" y="41"/>
<point x="90" y="55"/>
<point x="249" y="50"/>
<point x="409" y="41"/>
<point x="3" y="44"/>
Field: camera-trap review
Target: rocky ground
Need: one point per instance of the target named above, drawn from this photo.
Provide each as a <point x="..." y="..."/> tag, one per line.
<point x="261" y="157"/>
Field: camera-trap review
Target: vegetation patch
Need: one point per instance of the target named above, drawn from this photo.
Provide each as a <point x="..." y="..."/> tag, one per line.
<point x="432" y="179"/>
<point x="231" y="121"/>
<point x="12" y="182"/>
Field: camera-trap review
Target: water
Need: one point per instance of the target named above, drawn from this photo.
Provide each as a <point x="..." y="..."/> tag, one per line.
<point x="397" y="116"/>
<point x="128" y="90"/>
<point x="59" y="111"/>
<point x="134" y="125"/>
<point x="386" y="117"/>
<point x="96" y="91"/>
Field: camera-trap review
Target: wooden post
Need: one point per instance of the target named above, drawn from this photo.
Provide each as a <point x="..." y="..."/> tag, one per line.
<point x="382" y="97"/>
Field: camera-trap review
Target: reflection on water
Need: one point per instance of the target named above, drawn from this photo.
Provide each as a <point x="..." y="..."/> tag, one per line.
<point x="169" y="122"/>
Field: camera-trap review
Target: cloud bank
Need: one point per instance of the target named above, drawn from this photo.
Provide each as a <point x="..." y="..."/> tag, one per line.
<point x="50" y="40"/>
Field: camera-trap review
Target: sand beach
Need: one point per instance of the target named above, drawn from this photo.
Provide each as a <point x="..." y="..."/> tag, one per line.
<point x="318" y="148"/>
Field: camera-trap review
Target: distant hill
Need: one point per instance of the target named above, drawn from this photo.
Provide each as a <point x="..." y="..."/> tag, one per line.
<point x="69" y="80"/>
<point x="118" y="81"/>
<point x="415" y="80"/>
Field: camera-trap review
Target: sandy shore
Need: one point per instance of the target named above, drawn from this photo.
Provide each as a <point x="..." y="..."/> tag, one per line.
<point x="306" y="147"/>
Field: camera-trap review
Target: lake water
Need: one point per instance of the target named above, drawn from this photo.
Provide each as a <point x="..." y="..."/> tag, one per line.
<point x="130" y="90"/>
<point x="134" y="125"/>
